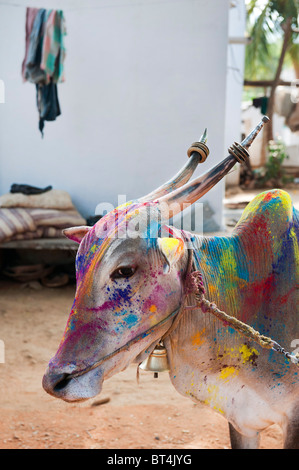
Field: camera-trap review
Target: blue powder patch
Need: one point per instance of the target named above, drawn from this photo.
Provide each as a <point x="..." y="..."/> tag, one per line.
<point x="131" y="320"/>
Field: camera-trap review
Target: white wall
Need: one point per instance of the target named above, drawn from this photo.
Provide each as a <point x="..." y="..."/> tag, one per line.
<point x="234" y="83"/>
<point x="143" y="80"/>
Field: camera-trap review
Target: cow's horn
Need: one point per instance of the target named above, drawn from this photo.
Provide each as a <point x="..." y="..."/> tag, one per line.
<point x="178" y="200"/>
<point x="197" y="153"/>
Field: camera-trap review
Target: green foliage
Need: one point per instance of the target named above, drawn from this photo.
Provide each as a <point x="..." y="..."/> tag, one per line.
<point x="265" y="22"/>
<point x="285" y="9"/>
<point x="293" y="53"/>
<point x="261" y="65"/>
<point x="273" y="174"/>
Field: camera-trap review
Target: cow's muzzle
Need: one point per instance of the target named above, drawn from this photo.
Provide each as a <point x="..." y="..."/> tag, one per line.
<point x="54" y="383"/>
<point x="72" y="388"/>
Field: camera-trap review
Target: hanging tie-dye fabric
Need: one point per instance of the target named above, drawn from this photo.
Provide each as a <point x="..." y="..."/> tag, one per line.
<point x="44" y="59"/>
<point x="53" y="51"/>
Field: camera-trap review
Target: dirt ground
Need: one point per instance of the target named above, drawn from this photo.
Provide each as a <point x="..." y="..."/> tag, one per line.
<point x="151" y="415"/>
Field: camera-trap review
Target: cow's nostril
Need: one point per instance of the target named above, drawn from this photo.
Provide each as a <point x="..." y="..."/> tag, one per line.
<point x="62" y="382"/>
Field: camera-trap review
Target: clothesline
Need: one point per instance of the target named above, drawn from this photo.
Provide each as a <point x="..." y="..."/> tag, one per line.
<point x="102" y="7"/>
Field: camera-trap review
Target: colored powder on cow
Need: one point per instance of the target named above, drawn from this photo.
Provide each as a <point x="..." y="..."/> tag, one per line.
<point x="244" y="352"/>
<point x="131" y="320"/>
<point x="248" y="354"/>
<point x="214" y="400"/>
<point x="296" y="250"/>
<point x="228" y="372"/>
<point x="98" y="240"/>
<point x="197" y="339"/>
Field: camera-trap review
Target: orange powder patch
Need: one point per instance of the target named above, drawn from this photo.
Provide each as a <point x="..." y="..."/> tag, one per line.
<point x="198" y="339"/>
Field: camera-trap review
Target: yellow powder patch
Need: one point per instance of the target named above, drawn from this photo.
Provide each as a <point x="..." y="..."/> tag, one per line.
<point x="228" y="352"/>
<point x="216" y="408"/>
<point x="243" y="352"/>
<point x="124" y="205"/>
<point x="228" y="260"/>
<point x="247" y="353"/>
<point x="171" y="247"/>
<point x="213" y="399"/>
<point x="192" y="380"/>
<point x="296" y="250"/>
<point x="228" y="372"/>
<point x="228" y="271"/>
<point x="286" y="201"/>
<point x="198" y="339"/>
<point x="152" y="320"/>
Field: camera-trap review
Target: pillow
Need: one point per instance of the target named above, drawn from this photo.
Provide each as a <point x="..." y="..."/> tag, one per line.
<point x="53" y="199"/>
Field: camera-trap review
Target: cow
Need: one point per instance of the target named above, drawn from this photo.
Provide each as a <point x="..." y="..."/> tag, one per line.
<point x="131" y="270"/>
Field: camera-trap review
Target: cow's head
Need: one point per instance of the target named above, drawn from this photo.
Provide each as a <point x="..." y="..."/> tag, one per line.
<point x="126" y="284"/>
<point x="130" y="268"/>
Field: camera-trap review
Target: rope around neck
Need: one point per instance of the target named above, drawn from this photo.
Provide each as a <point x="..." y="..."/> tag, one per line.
<point x="196" y="286"/>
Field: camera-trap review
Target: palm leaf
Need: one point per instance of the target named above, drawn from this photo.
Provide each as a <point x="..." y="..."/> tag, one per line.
<point x="264" y="26"/>
<point x="257" y="51"/>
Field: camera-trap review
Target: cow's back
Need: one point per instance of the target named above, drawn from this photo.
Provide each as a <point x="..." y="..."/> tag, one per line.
<point x="268" y="233"/>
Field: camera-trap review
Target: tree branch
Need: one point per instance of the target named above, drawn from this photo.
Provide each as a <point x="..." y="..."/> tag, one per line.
<point x="266" y="83"/>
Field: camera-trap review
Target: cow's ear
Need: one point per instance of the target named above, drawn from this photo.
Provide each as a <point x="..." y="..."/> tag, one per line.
<point x="172" y="250"/>
<point x="76" y="233"/>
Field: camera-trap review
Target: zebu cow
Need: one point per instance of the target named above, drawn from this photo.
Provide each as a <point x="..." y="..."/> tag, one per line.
<point x="130" y="289"/>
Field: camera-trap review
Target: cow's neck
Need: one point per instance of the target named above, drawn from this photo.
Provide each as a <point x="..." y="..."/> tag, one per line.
<point x="247" y="276"/>
<point x="216" y="259"/>
<point x="204" y="354"/>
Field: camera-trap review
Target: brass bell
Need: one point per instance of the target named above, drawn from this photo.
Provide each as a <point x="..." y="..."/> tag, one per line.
<point x="157" y="361"/>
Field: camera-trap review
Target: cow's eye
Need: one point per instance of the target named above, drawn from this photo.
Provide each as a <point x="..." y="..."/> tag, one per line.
<point x="123" y="272"/>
